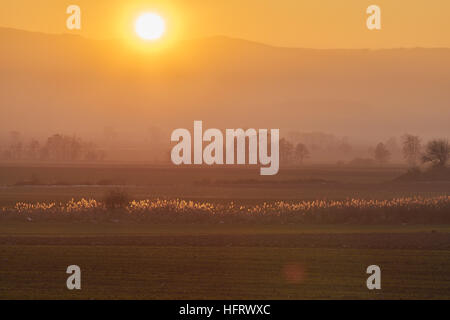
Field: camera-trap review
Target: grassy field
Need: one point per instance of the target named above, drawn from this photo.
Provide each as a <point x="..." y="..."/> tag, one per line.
<point x="226" y="273"/>
<point x="62" y="183"/>
<point x="143" y="260"/>
<point x="223" y="262"/>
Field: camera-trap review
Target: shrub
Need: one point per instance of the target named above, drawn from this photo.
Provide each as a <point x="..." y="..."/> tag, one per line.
<point x="115" y="199"/>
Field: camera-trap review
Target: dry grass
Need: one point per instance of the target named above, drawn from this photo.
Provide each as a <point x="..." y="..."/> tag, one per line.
<point x="397" y="210"/>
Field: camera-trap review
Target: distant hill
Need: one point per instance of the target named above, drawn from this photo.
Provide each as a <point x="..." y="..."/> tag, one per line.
<point x="72" y="84"/>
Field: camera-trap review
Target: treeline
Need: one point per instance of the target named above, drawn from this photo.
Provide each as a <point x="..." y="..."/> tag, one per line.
<point x="57" y="147"/>
<point x="295" y="149"/>
<point x="299" y="147"/>
<point x="435" y="152"/>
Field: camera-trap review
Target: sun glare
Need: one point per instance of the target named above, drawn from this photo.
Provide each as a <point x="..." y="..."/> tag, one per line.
<point x="150" y="26"/>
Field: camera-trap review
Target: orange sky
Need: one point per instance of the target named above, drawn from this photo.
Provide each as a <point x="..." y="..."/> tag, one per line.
<point x="299" y="23"/>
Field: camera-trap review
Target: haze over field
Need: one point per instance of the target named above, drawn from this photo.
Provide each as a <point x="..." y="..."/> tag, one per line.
<point x="52" y="83"/>
<point x="355" y="181"/>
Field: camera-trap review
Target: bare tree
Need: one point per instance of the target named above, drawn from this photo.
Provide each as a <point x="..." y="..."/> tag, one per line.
<point x="286" y="150"/>
<point x="437" y="152"/>
<point x="16" y="147"/>
<point x="411" y="147"/>
<point x="301" y="152"/>
<point x="33" y="150"/>
<point x="65" y="148"/>
<point x="381" y="153"/>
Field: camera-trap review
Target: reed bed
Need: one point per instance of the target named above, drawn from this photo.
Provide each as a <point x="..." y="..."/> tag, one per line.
<point x="398" y="210"/>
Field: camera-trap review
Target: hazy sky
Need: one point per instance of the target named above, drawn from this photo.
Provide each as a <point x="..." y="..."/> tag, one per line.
<point x="299" y="23"/>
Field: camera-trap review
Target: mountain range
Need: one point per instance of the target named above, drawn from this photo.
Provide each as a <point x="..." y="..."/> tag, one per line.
<point x="66" y="83"/>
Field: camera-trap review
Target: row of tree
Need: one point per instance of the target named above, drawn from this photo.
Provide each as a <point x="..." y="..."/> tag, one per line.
<point x="56" y="148"/>
<point x="71" y="148"/>
<point x="436" y="152"/>
<point x="291" y="154"/>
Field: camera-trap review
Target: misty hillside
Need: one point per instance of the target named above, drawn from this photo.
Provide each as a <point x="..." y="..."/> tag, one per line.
<point x="71" y="84"/>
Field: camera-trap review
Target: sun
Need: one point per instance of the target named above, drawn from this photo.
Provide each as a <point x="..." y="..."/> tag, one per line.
<point x="150" y="26"/>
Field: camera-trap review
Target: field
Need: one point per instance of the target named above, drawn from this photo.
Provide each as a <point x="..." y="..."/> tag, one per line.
<point x="126" y="259"/>
<point x="62" y="183"/>
<point x="222" y="262"/>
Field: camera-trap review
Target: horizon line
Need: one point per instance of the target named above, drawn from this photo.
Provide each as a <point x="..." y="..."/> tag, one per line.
<point x="229" y="38"/>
